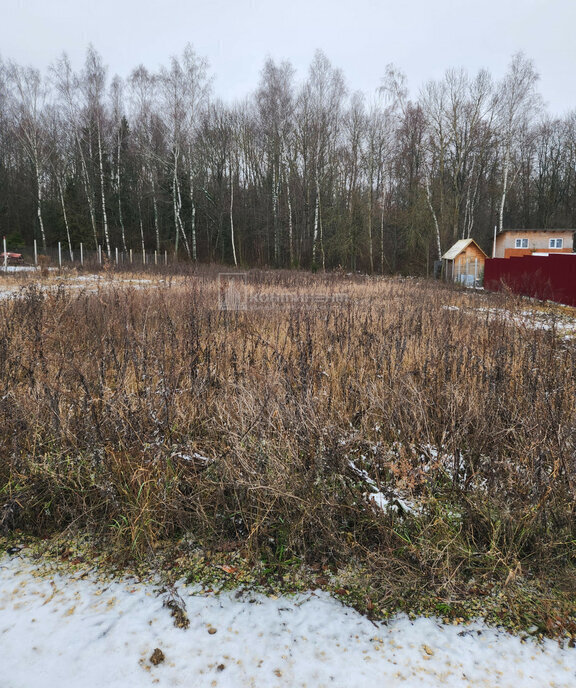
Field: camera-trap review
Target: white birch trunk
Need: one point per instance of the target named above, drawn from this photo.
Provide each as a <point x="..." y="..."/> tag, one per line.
<point x="180" y="222"/>
<point x="322" y="238"/>
<point x="177" y="205"/>
<point x="471" y="203"/>
<point x="155" y="206"/>
<point x="435" y="219"/>
<point x="382" y="239"/>
<point x="39" y="204"/>
<point x="193" y="206"/>
<point x="141" y="230"/>
<point x="87" y="190"/>
<point x="118" y="190"/>
<point x="370" y="249"/>
<point x="290" y="224"/>
<point x="316" y="222"/>
<point x="232" y="217"/>
<point x="275" y="193"/>
<point x="504" y="188"/>
<point x="194" y="240"/>
<point x="175" y="201"/>
<point x="65" y="216"/>
<point x="104" y="215"/>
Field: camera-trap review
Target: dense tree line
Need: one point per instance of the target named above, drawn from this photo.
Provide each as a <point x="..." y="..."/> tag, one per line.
<point x="298" y="174"/>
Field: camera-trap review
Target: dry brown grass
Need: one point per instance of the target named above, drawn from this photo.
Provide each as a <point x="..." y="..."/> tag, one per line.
<point x="107" y="393"/>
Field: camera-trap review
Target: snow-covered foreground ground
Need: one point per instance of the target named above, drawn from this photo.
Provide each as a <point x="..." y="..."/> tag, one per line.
<point x="88" y="282"/>
<point x="83" y="631"/>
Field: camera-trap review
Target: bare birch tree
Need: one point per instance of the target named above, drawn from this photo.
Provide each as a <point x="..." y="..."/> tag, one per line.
<point x="184" y="88"/>
<point x="93" y="85"/>
<point x="28" y="99"/>
<point x="67" y="86"/>
<point x="61" y="157"/>
<point x="119" y="133"/>
<point x="518" y="105"/>
<point x="275" y="102"/>
<point x="320" y="111"/>
<point x="143" y="99"/>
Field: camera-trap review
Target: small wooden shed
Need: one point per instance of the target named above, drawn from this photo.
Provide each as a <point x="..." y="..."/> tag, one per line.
<point x="464" y="263"/>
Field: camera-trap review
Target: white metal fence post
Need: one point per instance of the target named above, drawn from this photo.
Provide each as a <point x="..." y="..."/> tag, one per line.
<point x="35" y="252"/>
<point x="81" y="254"/>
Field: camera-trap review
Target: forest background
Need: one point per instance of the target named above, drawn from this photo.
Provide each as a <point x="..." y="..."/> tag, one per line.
<point x="303" y="172"/>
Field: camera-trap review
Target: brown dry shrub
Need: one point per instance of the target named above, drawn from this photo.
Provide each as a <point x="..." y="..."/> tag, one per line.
<point x="104" y="393"/>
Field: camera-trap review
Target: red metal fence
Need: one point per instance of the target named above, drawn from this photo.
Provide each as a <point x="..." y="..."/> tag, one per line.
<point x="551" y="277"/>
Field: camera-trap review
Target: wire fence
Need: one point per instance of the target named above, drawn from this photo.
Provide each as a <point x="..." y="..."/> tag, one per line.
<point x="64" y="256"/>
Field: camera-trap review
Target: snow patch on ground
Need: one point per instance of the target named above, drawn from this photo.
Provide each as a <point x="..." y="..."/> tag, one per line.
<point x="17" y="268"/>
<point x="80" y="630"/>
<point x="536" y="320"/>
<point x="89" y="283"/>
<point x="391" y="501"/>
<point x="192" y="457"/>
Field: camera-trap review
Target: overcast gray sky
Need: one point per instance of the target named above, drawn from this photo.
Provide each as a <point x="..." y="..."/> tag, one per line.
<point x="421" y="37"/>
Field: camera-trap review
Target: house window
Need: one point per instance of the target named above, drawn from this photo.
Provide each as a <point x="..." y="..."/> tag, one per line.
<point x="521" y="243"/>
<point x="556" y="243"/>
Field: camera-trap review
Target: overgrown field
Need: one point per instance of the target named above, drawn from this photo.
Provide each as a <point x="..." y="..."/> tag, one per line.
<point x="397" y="438"/>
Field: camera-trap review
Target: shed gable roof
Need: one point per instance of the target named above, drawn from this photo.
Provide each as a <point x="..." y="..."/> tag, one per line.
<point x="458" y="247"/>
